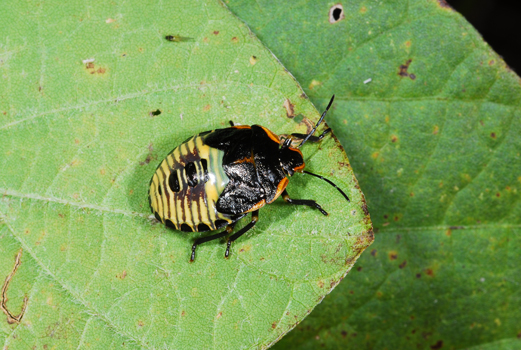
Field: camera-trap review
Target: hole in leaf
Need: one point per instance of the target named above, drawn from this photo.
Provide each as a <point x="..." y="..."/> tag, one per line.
<point x="154" y="113"/>
<point x="336" y="13"/>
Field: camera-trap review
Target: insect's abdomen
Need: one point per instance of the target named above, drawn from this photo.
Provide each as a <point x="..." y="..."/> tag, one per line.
<point x="186" y="186"/>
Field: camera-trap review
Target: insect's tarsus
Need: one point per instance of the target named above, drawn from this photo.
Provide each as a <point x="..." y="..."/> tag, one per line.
<point x="318" y="123"/>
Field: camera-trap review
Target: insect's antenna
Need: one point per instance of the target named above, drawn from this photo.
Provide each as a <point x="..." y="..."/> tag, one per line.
<point x="318" y="123"/>
<point x="331" y="183"/>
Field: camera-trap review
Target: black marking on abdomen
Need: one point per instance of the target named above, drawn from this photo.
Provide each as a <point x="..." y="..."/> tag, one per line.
<point x="173" y="181"/>
<point x="186" y="228"/>
<point x="203" y="228"/>
<point x="204" y="164"/>
<point x="191" y="174"/>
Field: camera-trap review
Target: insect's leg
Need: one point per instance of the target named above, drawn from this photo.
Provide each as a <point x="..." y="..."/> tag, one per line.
<point x="231" y="123"/>
<point x="228" y="230"/>
<point x="254" y="218"/>
<point x="313" y="138"/>
<point x="308" y="202"/>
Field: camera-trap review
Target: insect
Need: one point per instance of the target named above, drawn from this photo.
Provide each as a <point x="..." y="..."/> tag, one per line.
<point x="176" y="38"/>
<point x="217" y="177"/>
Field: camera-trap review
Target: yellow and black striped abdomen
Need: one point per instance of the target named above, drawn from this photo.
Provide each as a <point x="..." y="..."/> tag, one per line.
<point x="186" y="186"/>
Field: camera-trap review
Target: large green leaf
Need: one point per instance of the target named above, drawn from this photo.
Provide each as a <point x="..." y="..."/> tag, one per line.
<point x="92" y="97"/>
<point x="435" y="141"/>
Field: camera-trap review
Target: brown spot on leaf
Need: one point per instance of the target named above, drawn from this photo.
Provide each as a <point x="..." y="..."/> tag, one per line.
<point x="359" y="268"/>
<point x="364" y="208"/>
<point x="215" y="32"/>
<point x="183" y="313"/>
<point x="429" y="272"/>
<point x="403" y="264"/>
<point x="10" y="317"/>
<point x="436" y="129"/>
<point x="234" y="39"/>
<point x="394" y="138"/>
<point x="122" y="275"/>
<point x="206" y="108"/>
<point x="393" y="255"/>
<point x="403" y="71"/>
<point x="444" y="4"/>
<point x="149" y="157"/>
<point x="493" y="135"/>
<point x="93" y="69"/>
<point x="411" y="194"/>
<point x="219" y="315"/>
<point x="320" y="284"/>
<point x="373" y="252"/>
<point x="274" y="325"/>
<point x="404" y="68"/>
<point x="438" y="345"/>
<point x="344" y="334"/>
<point x="498" y="194"/>
<point x="290" y="111"/>
<point x="253" y="60"/>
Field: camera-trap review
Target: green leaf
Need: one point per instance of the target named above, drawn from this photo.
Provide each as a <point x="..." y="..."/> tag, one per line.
<point x="92" y="98"/>
<point x="435" y="141"/>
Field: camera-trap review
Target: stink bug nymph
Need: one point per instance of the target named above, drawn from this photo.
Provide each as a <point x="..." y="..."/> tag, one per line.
<point x="216" y="177"/>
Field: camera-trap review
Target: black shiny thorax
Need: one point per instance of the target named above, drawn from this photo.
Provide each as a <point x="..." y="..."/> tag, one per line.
<point x="252" y="161"/>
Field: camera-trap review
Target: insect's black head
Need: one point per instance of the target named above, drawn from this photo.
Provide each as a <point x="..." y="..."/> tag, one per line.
<point x="291" y="159"/>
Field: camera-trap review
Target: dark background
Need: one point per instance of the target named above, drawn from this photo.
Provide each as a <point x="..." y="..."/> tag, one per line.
<point x="499" y="22"/>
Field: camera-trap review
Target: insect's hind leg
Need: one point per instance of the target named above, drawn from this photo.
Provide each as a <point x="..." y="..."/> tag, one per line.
<point x="227" y="231"/>
<point x="313" y="138"/>
<point x="254" y="219"/>
<point x="308" y="202"/>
